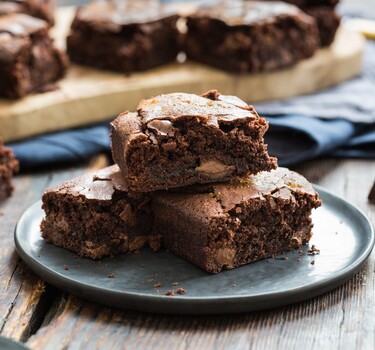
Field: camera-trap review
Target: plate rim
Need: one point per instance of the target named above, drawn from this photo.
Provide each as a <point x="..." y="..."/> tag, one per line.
<point x="297" y="294"/>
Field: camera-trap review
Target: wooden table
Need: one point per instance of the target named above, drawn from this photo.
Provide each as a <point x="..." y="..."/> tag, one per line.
<point x="46" y="318"/>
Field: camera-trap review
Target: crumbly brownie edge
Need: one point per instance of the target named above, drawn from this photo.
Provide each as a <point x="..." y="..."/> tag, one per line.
<point x="94" y="228"/>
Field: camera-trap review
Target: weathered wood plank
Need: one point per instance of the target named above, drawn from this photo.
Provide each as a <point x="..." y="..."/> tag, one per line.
<point x="22" y="294"/>
<point x="343" y="318"/>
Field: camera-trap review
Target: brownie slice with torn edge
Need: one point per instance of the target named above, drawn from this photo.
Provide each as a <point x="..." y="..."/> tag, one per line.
<point x="180" y="139"/>
<point x="94" y="216"/>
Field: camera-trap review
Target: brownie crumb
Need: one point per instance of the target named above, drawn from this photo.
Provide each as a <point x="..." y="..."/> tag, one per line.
<point x="371" y="195"/>
<point x="111" y="275"/>
<point x="312" y="262"/>
<point x="66" y="267"/>
<point x="313" y="251"/>
<point x="175" y="284"/>
<point x="181" y="291"/>
<point x="157" y="285"/>
<point x="170" y="293"/>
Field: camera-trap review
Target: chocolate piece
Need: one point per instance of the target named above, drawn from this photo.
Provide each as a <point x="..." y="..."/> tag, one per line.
<point x="371" y="195"/>
<point x="43" y="9"/>
<point x="8" y="166"/>
<point x="94" y="216"/>
<point x="328" y="22"/>
<point x="28" y="59"/>
<point x="180" y="139"/>
<point x="123" y="36"/>
<point x="250" y="36"/>
<point x="233" y="224"/>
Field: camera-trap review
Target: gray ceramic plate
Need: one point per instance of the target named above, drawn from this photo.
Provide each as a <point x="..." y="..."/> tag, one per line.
<point x="9" y="344"/>
<point x="342" y="233"/>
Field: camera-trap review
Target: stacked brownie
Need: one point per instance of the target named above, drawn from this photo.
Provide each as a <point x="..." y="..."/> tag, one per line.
<point x="8" y="166"/>
<point x="29" y="62"/>
<point x="194" y="177"/>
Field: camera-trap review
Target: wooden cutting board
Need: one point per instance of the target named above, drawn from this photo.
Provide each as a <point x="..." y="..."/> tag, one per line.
<point x="88" y="95"/>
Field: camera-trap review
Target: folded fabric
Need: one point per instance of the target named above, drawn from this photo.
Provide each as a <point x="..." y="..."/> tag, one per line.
<point x="293" y="139"/>
<point x="353" y="100"/>
<point x="62" y="147"/>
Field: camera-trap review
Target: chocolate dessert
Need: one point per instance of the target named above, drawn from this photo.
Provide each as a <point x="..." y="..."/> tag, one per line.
<point x="28" y="59"/>
<point x="250" y="36"/>
<point x="215" y="226"/>
<point x="8" y="166"/>
<point x="179" y="139"/>
<point x="305" y="3"/>
<point x="94" y="216"/>
<point x="328" y="22"/>
<point x="123" y="36"/>
<point x="43" y="9"/>
<point x="223" y="226"/>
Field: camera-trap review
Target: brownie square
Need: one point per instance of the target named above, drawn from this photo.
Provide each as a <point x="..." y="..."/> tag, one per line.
<point x="28" y="59"/>
<point x="305" y="3"/>
<point x="250" y="36"/>
<point x="123" y="36"/>
<point x="328" y="22"/>
<point x="94" y="216"/>
<point x="179" y="139"/>
<point x="43" y="9"/>
<point x="226" y="225"/>
<point x="8" y="166"/>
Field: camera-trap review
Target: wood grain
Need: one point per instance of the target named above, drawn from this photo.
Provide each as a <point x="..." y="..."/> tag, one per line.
<point x="341" y="319"/>
<point x="87" y="95"/>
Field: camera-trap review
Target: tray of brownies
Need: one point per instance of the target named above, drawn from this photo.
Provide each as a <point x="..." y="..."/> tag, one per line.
<point x="195" y="217"/>
<point x="122" y="51"/>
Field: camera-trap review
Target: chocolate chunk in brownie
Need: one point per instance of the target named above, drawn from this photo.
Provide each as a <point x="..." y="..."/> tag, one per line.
<point x="94" y="216"/>
<point x="8" y="166"/>
<point x="328" y="22"/>
<point x="123" y="36"/>
<point x="43" y="9"/>
<point x="226" y="225"/>
<point x="28" y="59"/>
<point x="250" y="36"/>
<point x="180" y="139"/>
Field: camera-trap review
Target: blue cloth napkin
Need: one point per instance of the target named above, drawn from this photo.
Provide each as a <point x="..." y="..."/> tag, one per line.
<point x="338" y="122"/>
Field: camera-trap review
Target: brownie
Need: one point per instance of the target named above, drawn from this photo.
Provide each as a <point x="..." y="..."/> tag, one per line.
<point x="250" y="36"/>
<point x="371" y="195"/>
<point x="94" y="216"/>
<point x="226" y="225"/>
<point x="43" y="9"/>
<point x="28" y="59"/>
<point x="8" y="166"/>
<point x="123" y="36"/>
<point x="328" y="22"/>
<point x="179" y="139"/>
<point x="305" y="3"/>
